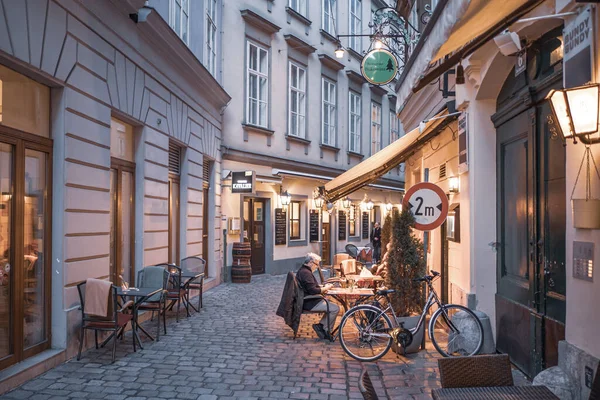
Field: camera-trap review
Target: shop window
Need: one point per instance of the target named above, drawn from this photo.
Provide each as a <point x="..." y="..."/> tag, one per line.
<point x="453" y="223"/>
<point x="24" y="103"/>
<point x="295" y="220"/>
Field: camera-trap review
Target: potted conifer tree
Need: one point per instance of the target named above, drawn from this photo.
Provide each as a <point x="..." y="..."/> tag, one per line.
<point x="405" y="263"/>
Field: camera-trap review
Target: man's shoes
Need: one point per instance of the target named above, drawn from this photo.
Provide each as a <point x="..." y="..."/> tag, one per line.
<point x="320" y="331"/>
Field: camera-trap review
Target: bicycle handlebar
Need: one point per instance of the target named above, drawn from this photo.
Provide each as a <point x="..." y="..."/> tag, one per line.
<point x="427" y="278"/>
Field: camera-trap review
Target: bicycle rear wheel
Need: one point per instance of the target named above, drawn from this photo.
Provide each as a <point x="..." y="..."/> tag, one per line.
<point x="456" y="331"/>
<point x="365" y="333"/>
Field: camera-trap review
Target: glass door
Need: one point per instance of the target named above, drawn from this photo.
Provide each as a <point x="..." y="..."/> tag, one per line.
<point x="174" y="220"/>
<point x="25" y="182"/>
<point x="122" y="222"/>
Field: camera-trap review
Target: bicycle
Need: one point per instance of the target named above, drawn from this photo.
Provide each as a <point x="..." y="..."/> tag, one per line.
<point x="369" y="328"/>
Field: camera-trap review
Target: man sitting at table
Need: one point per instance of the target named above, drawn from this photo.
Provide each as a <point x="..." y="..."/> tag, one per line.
<point x="311" y="287"/>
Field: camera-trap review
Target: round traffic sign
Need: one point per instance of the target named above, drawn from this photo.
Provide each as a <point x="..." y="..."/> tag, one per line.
<point x="429" y="205"/>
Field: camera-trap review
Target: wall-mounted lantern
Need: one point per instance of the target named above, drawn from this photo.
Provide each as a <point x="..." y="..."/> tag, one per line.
<point x="454" y="184"/>
<point x="318" y="202"/>
<point x="285" y="198"/>
<point x="346" y="203"/>
<point x="389" y="207"/>
<point x="576" y="112"/>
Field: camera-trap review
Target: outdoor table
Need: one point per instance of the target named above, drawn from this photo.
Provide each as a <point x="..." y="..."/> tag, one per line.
<point x="187" y="278"/>
<point x="139" y="295"/>
<point x="342" y="294"/>
<point x="370" y="279"/>
<point x="495" y="393"/>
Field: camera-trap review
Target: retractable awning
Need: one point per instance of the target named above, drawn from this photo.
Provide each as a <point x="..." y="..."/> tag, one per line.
<point x="384" y="160"/>
<point x="457" y="28"/>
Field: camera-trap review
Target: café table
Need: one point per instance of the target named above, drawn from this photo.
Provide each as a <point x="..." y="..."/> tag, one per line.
<point x="139" y="295"/>
<point x="374" y="279"/>
<point x="342" y="294"/>
<point x="495" y="393"/>
<point x="188" y="278"/>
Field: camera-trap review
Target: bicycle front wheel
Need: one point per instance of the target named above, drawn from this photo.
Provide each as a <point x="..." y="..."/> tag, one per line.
<point x="365" y="333"/>
<point x="456" y="331"/>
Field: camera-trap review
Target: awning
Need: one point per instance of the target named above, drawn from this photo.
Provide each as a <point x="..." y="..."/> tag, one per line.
<point x="384" y="160"/>
<point x="457" y="28"/>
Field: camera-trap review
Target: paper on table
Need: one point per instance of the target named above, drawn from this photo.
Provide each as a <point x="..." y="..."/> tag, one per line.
<point x="365" y="273"/>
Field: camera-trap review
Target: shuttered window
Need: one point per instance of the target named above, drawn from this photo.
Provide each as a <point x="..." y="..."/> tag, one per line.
<point x="442" y="171"/>
<point x="174" y="158"/>
<point x="206" y="172"/>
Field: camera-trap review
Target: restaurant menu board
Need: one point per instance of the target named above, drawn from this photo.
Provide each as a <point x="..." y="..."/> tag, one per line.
<point x="341" y="225"/>
<point x="280" y="225"/>
<point x="314" y="226"/>
<point x="365" y="225"/>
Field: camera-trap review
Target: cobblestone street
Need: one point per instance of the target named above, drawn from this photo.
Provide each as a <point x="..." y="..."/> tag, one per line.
<point x="236" y="347"/>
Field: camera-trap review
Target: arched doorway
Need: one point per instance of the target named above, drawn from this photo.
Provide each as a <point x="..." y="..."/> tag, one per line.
<point x="531" y="213"/>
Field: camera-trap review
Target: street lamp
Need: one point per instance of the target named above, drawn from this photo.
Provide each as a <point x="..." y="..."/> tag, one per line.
<point x="346" y="203"/>
<point x="369" y="205"/>
<point x="339" y="52"/>
<point x="285" y="198"/>
<point x="454" y="184"/>
<point x="318" y="202"/>
<point x="576" y="111"/>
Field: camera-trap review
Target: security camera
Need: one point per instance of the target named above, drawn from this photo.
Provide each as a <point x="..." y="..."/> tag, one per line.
<point x="508" y="43"/>
<point x="142" y="13"/>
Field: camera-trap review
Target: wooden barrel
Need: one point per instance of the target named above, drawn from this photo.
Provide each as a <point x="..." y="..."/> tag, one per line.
<point x="241" y="272"/>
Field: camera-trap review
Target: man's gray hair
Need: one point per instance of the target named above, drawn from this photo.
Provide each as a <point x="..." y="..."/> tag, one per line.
<point x="312" y="257"/>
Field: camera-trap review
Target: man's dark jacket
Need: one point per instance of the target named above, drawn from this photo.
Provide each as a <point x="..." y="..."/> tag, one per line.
<point x="376" y="233"/>
<point x="292" y="301"/>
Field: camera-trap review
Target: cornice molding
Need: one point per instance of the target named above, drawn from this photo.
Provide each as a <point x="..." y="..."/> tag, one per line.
<point x="259" y="21"/>
<point x="330" y="62"/>
<point x="298" y="44"/>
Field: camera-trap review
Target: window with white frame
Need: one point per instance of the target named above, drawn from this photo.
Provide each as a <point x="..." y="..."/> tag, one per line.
<point x="297" y="100"/>
<point x="211" y="36"/>
<point x="328" y="117"/>
<point x="354" y="123"/>
<point x="394" y="127"/>
<point x="355" y="24"/>
<point x="328" y="14"/>
<point x="180" y="17"/>
<point x="300" y="6"/>
<point x="375" y="128"/>
<point x="257" y="81"/>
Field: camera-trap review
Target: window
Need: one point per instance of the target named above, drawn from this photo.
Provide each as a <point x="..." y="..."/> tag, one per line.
<point x="355" y="24"/>
<point x="375" y="128"/>
<point x="329" y="11"/>
<point x="179" y="19"/>
<point x="352" y="220"/>
<point x="394" y="127"/>
<point x="211" y="36"/>
<point x="413" y="20"/>
<point x="328" y="125"/>
<point x="299" y="6"/>
<point x="354" y="131"/>
<point x="297" y="100"/>
<point x="434" y="4"/>
<point x="258" y="85"/>
<point x="295" y="225"/>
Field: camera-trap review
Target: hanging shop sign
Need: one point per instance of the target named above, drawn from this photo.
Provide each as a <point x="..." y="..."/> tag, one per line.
<point x="429" y="205"/>
<point x="379" y="67"/>
<point x="242" y="182"/>
<point x="578" y="51"/>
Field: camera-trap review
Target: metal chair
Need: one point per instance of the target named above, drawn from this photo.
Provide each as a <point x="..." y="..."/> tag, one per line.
<point x="175" y="291"/>
<point x="155" y="277"/>
<point x="316" y="296"/>
<point x="352" y="250"/>
<point x="115" y="321"/>
<point x="475" y="371"/>
<point x="365" y="385"/>
<point x="195" y="264"/>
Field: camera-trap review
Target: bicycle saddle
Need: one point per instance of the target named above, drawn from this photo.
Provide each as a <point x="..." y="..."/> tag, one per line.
<point x="384" y="292"/>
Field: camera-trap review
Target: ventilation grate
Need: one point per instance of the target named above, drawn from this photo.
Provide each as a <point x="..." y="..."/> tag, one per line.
<point x="174" y="158"/>
<point x="442" y="171"/>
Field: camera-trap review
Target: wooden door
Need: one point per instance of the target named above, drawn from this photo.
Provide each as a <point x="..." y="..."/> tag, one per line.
<point x="122" y="212"/>
<point x="174" y="215"/>
<point x="205" y="228"/>
<point x="444" y="263"/>
<point x="254" y="232"/>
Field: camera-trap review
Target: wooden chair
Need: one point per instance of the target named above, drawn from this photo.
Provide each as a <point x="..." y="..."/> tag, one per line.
<point x="475" y="371"/>
<point x="365" y="385"/>
<point x="155" y="277"/>
<point x="195" y="264"/>
<point x="115" y="321"/>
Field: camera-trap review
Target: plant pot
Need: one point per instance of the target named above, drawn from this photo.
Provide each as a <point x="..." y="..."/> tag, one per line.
<point x="410" y="323"/>
<point x="586" y="213"/>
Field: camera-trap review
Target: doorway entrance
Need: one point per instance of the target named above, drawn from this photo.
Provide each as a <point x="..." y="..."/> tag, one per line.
<point x="122" y="214"/>
<point x="530" y="298"/>
<point x="25" y="234"/>
<point x="254" y="232"/>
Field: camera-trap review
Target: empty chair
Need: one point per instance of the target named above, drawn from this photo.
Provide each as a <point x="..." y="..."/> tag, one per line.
<point x="475" y="371"/>
<point x="352" y="250"/>
<point x="196" y="265"/>
<point x="365" y="385"/>
<point x="114" y="321"/>
<point x="155" y="277"/>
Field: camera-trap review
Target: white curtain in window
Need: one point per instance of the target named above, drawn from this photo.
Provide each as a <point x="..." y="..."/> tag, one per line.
<point x="355" y="123"/>
<point x="297" y="100"/>
<point x="258" y="85"/>
<point x="328" y="116"/>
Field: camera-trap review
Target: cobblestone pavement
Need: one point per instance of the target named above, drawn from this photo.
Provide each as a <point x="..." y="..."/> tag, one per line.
<point x="236" y="347"/>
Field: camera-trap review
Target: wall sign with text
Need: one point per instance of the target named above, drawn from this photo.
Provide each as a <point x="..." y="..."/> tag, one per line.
<point x="429" y="205"/>
<point x="379" y="67"/>
<point x="242" y="182"/>
<point x="578" y="49"/>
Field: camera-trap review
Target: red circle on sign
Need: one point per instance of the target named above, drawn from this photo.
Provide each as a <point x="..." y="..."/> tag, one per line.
<point x="443" y="199"/>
